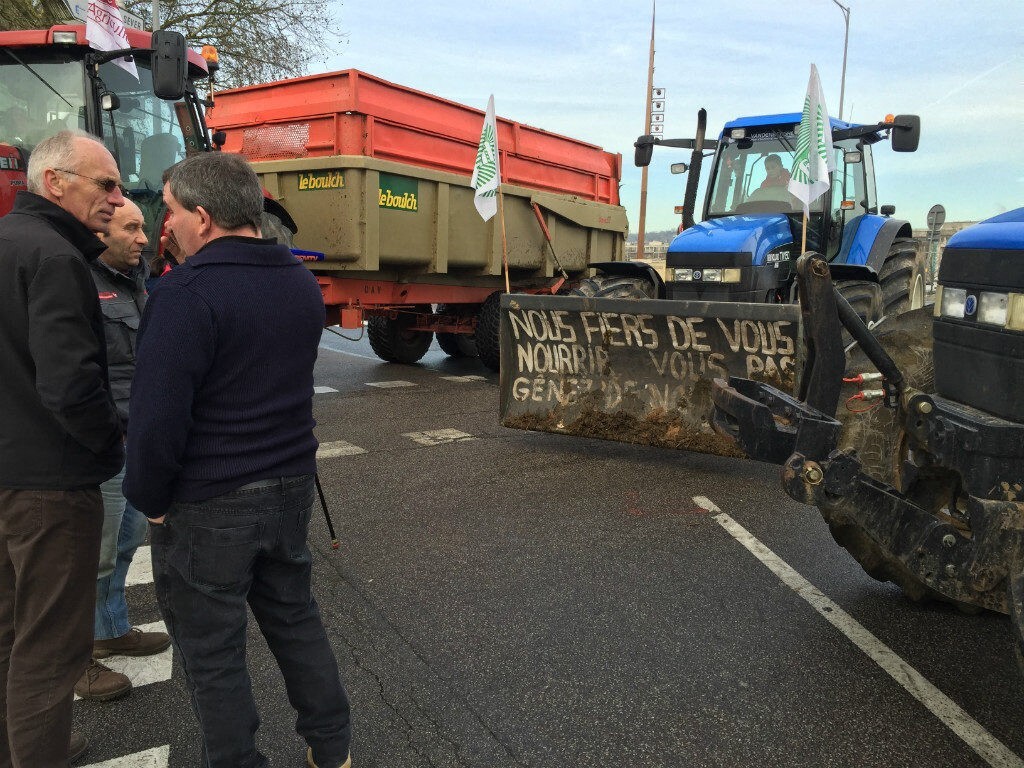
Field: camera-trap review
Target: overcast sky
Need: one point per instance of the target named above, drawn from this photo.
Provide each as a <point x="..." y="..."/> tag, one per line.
<point x="580" y="68"/>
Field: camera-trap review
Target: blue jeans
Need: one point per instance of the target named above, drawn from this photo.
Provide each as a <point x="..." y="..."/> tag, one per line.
<point x="212" y="557"/>
<point x="124" y="530"/>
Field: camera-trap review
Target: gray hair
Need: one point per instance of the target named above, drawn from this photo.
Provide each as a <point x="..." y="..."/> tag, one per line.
<point x="57" y="151"/>
<point x="223" y="184"/>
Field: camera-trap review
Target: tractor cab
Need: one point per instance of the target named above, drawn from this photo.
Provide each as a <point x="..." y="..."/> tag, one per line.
<point x="50" y="80"/>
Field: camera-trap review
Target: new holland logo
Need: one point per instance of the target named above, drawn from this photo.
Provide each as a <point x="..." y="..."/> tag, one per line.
<point x="321" y="180"/>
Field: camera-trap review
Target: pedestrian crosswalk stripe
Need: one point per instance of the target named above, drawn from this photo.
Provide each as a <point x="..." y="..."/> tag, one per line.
<point x="438" y="436"/>
<point x="465" y="378"/>
<point x="141" y="569"/>
<point x="323" y="390"/>
<point x="390" y="384"/>
<point x="338" y="448"/>
<point x="158" y="757"/>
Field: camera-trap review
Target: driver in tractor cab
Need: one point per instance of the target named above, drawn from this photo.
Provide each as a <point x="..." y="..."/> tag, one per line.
<point x="776" y="175"/>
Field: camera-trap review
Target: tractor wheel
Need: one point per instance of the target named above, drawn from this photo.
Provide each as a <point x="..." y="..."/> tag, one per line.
<point x="615" y="287"/>
<point x="902" y="278"/>
<point x="488" y="327"/>
<point x="394" y="340"/>
<point x="865" y="299"/>
<point x="455" y="344"/>
<point x="881" y="446"/>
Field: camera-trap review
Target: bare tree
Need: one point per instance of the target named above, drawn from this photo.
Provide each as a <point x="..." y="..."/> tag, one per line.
<point x="33" y="14"/>
<point x="257" y="40"/>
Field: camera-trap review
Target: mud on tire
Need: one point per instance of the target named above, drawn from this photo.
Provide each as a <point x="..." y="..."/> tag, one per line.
<point x="393" y="340"/>
<point x="902" y="278"/>
<point x="615" y="287"/>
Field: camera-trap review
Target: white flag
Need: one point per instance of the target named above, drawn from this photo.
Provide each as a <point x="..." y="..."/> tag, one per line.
<point x="104" y="30"/>
<point x="486" y="170"/>
<point x="814" y="159"/>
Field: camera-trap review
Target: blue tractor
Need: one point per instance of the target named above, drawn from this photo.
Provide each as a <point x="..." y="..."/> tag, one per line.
<point x="746" y="246"/>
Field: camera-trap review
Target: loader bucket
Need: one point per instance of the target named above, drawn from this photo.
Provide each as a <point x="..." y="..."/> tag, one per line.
<point x="638" y="371"/>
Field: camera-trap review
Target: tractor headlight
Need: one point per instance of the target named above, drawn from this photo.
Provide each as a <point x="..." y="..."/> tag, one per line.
<point x="1015" y="312"/>
<point x="683" y="275"/>
<point x="953" y="302"/>
<point x="992" y="308"/>
<point x="712" y="275"/>
<point x="731" y="275"/>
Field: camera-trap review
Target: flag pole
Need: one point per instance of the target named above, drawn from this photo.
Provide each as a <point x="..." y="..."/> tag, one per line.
<point x="504" y="241"/>
<point x="803" y="244"/>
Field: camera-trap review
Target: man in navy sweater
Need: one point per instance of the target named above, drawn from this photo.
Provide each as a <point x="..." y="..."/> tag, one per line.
<point x="221" y="457"/>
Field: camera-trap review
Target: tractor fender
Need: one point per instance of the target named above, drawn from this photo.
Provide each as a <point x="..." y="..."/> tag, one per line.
<point x="867" y="239"/>
<point x="633" y="269"/>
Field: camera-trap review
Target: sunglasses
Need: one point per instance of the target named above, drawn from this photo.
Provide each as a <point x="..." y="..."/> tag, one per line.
<point x="107" y="185"/>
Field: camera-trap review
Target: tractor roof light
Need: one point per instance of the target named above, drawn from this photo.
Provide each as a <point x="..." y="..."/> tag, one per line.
<point x="890" y="119"/>
<point x="209" y="52"/>
<point x="65" y="38"/>
<point x="738" y="133"/>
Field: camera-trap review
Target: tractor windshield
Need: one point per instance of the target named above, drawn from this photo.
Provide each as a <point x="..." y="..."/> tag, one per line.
<point x="751" y="174"/>
<point x="46" y="91"/>
<point x="40" y="94"/>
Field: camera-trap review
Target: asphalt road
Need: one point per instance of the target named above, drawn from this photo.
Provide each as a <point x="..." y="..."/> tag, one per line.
<point x="510" y="598"/>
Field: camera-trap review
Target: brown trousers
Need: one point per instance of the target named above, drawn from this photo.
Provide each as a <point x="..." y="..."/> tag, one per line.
<point x="49" y="556"/>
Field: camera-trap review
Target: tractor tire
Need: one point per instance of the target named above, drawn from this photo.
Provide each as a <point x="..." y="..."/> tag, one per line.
<point x="393" y="340"/>
<point x="865" y="299"/>
<point x="488" y="336"/>
<point x="879" y="442"/>
<point x="902" y="278"/>
<point x="272" y="226"/>
<point x="615" y="287"/>
<point x="455" y="344"/>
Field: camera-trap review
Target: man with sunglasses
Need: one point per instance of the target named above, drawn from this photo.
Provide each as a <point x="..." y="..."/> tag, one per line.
<point x="60" y="437"/>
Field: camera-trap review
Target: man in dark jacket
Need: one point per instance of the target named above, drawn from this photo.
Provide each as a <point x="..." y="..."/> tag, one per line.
<point x="221" y="457"/>
<point x="119" y="276"/>
<point x="59" y="439"/>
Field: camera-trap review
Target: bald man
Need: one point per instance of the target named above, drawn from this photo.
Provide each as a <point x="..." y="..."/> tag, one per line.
<point x="120" y="278"/>
<point x="59" y="439"/>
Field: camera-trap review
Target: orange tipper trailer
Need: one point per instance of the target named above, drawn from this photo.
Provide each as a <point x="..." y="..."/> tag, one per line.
<point x="376" y="177"/>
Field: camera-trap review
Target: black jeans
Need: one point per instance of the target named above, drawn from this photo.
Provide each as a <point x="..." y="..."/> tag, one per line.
<point x="209" y="559"/>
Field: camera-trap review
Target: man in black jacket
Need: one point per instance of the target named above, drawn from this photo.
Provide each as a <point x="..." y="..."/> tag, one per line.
<point x="59" y="439"/>
<point x="119" y="275"/>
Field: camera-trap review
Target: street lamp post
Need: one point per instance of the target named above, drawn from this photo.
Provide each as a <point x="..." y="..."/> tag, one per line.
<point x="846" y="41"/>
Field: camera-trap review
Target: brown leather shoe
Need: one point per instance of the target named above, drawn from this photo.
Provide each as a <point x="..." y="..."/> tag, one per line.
<point x="78" y="746"/>
<point x="133" y="643"/>
<point x="312" y="764"/>
<point x="100" y="683"/>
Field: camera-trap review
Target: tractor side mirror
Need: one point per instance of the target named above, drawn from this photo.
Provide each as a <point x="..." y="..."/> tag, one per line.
<point x="643" y="151"/>
<point x="170" y="64"/>
<point x="678" y="168"/>
<point x="906" y="133"/>
<point x="853" y="156"/>
<point x="888" y="210"/>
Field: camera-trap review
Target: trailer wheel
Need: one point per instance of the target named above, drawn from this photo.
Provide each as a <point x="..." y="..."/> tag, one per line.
<point x="902" y="278"/>
<point x="488" y="327"/>
<point x="393" y="340"/>
<point x="455" y="344"/>
<point x="615" y="287"/>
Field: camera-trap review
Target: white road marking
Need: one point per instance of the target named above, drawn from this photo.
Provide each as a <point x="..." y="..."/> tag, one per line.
<point x="993" y="751"/>
<point x="390" y="384"/>
<point x="143" y="670"/>
<point x="158" y="757"/>
<point x="472" y="377"/>
<point x="438" y="436"/>
<point x="350" y="354"/>
<point x="323" y="390"/>
<point x="141" y="569"/>
<point x="338" y="448"/>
